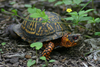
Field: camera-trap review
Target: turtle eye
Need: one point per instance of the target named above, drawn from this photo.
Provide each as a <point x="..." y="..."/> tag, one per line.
<point x="75" y="37"/>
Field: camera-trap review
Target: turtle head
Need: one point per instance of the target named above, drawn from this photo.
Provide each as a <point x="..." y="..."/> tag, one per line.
<point x="9" y="31"/>
<point x="69" y="40"/>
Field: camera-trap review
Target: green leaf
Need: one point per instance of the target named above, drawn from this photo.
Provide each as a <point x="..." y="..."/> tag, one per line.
<point x="14" y="11"/>
<point x="90" y="21"/>
<point x="28" y="5"/>
<point x="3" y="43"/>
<point x="2" y="52"/>
<point x="81" y="12"/>
<point x="67" y="2"/>
<point x="38" y="45"/>
<point x="33" y="10"/>
<point x="30" y="10"/>
<point x="77" y="1"/>
<point x="97" y="19"/>
<point x="12" y="3"/>
<point x="43" y="65"/>
<point x="0" y="49"/>
<point x="58" y="3"/>
<point x="82" y="4"/>
<point x="43" y="0"/>
<point x="69" y="18"/>
<point x="30" y="62"/>
<point x="35" y="15"/>
<point x="51" y="60"/>
<point x="45" y="17"/>
<point x="42" y="13"/>
<point x="74" y="15"/>
<point x="2" y="10"/>
<point x="51" y="0"/>
<point x="97" y="33"/>
<point x="85" y="18"/>
<point x="43" y="58"/>
<point x="89" y="10"/>
<point x="95" y="12"/>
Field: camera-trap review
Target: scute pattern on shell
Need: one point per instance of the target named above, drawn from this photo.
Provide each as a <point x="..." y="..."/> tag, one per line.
<point x="36" y="31"/>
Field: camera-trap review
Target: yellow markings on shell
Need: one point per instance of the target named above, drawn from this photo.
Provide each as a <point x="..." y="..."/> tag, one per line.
<point x="49" y="22"/>
<point x="52" y="16"/>
<point x="60" y="26"/>
<point x="23" y="38"/>
<point x="53" y="19"/>
<point x="40" y="19"/>
<point x="24" y="22"/>
<point x="29" y="32"/>
<point x="48" y="16"/>
<point x="39" y="29"/>
<point x="41" y="32"/>
<point x="36" y="19"/>
<point x="31" y="25"/>
<point x="43" y="23"/>
<point x="59" y="33"/>
<point x="22" y="27"/>
<point x="28" y="27"/>
<point x="33" y="19"/>
<point x="53" y="38"/>
<point x="49" y="27"/>
<point x="46" y="30"/>
<point x="55" y="24"/>
<point x="56" y="18"/>
<point x="20" y="33"/>
<point x="37" y="34"/>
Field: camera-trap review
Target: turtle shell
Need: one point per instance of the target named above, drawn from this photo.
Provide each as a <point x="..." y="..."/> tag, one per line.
<point x="34" y="31"/>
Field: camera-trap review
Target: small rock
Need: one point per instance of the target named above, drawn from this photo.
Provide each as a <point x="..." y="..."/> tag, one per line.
<point x="14" y="59"/>
<point x="16" y="64"/>
<point x="27" y="56"/>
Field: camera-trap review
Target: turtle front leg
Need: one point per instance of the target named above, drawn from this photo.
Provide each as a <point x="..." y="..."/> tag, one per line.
<point x="48" y="50"/>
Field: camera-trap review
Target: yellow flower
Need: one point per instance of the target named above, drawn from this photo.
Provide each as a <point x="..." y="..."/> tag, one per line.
<point x="69" y="10"/>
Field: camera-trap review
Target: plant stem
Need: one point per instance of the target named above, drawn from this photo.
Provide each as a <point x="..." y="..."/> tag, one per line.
<point x="86" y="5"/>
<point x="46" y="63"/>
<point x="93" y="7"/>
<point x="36" y="57"/>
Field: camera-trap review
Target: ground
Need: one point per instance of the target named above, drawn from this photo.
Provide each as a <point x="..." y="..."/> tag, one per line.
<point x="16" y="52"/>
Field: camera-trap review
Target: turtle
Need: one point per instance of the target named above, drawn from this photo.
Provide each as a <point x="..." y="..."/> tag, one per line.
<point x="52" y="33"/>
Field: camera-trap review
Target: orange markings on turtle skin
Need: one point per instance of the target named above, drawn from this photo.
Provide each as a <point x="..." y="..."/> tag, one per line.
<point x="48" y="49"/>
<point x="48" y="53"/>
<point x="44" y="54"/>
<point x="66" y="42"/>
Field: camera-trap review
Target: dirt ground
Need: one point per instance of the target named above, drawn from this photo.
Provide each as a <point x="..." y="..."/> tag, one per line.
<point x="16" y="52"/>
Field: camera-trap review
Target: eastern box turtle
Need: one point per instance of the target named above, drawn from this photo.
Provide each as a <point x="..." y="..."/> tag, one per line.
<point x="51" y="34"/>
